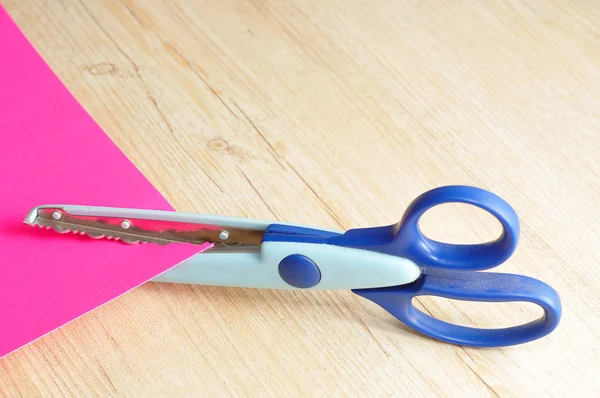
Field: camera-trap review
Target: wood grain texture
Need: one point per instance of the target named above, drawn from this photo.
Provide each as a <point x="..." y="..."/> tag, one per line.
<point x="334" y="113"/>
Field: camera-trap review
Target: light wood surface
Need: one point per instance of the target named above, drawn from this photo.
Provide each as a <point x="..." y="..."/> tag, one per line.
<point x="335" y="113"/>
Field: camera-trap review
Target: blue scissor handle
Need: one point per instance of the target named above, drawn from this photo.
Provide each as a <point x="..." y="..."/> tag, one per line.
<point x="471" y="286"/>
<point x="413" y="244"/>
<point x="445" y="272"/>
<point x="448" y="270"/>
<point x="405" y="238"/>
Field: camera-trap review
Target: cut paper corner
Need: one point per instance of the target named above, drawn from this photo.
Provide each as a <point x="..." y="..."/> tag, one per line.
<point x="52" y="151"/>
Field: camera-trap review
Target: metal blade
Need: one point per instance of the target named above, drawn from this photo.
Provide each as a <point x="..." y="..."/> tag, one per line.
<point x="145" y="229"/>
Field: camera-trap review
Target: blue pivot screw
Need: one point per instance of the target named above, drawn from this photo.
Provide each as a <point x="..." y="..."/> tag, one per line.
<point x="299" y="271"/>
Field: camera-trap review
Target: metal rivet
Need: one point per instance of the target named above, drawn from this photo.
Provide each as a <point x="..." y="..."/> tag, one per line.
<point x="224" y="235"/>
<point x="56" y="215"/>
<point x="125" y="224"/>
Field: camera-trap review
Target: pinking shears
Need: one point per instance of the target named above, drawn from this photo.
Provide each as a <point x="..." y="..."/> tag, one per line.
<point x="389" y="265"/>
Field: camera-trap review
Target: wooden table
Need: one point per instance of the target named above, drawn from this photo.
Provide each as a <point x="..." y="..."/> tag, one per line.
<point x="335" y="113"/>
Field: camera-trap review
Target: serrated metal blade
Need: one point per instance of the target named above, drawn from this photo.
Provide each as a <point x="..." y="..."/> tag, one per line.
<point x="139" y="226"/>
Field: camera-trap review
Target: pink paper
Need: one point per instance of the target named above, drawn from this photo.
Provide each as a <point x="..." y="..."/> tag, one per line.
<point x="52" y="152"/>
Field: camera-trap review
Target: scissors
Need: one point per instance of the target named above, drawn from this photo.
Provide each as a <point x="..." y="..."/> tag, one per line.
<point x="388" y="265"/>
